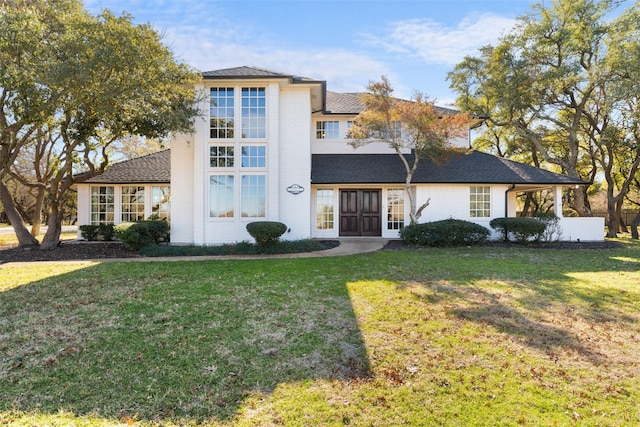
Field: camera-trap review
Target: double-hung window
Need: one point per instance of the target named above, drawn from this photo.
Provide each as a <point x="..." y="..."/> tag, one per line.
<point x="161" y="201"/>
<point x="221" y="112"/>
<point x="132" y="203"/>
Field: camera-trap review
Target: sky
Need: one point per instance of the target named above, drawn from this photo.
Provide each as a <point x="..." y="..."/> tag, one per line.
<point x="348" y="43"/>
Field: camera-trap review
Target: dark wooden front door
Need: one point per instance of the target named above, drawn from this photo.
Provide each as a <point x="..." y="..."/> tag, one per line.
<point x="360" y="213"/>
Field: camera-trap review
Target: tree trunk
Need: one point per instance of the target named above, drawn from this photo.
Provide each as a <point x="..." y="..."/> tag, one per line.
<point x="24" y="237"/>
<point x="580" y="202"/>
<point x="612" y="214"/>
<point x="37" y="212"/>
<point x="634" y="226"/>
<point x="51" y="238"/>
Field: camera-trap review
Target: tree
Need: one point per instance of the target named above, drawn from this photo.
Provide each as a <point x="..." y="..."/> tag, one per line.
<point x="104" y="79"/>
<point x="540" y="81"/>
<point x="417" y="126"/>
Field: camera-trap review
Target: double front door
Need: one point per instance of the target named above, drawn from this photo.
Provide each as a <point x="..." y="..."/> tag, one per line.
<point x="360" y="213"/>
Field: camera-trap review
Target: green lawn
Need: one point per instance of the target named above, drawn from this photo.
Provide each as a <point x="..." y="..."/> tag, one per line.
<point x="456" y="337"/>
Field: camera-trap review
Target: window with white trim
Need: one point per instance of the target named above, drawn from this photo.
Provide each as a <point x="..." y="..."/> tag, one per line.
<point x="161" y="201"/>
<point x="221" y="112"/>
<point x="221" y="196"/>
<point x="480" y="201"/>
<point x="395" y="208"/>
<point x="102" y="205"/>
<point x="327" y="130"/>
<point x="254" y="112"/>
<point x="221" y="156"/>
<point x="253" y="196"/>
<point x="253" y="156"/>
<point x="324" y="209"/>
<point x="132" y="203"/>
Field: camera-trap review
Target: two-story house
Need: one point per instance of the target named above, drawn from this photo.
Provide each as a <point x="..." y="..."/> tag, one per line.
<point x="273" y="146"/>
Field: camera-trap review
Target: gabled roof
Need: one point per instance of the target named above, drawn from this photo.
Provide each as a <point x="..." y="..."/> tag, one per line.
<point x="152" y="168"/>
<point x="245" y="72"/>
<point x="472" y="168"/>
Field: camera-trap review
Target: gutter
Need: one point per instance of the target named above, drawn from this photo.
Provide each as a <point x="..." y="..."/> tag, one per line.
<point x="506" y="200"/>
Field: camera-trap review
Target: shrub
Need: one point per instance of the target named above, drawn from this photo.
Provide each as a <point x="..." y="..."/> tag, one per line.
<point x="106" y="231"/>
<point x="266" y="233"/>
<point x="89" y="232"/>
<point x="97" y="232"/>
<point x="553" y="230"/>
<point x="522" y="229"/>
<point x="448" y="232"/>
<point x="137" y="235"/>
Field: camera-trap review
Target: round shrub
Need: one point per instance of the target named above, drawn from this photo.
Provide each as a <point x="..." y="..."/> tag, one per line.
<point x="266" y="233"/>
<point x="448" y="232"/>
<point x="522" y="229"/>
<point x="137" y="235"/>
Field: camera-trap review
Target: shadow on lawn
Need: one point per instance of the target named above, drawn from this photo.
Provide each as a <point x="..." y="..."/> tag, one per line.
<point x="179" y="342"/>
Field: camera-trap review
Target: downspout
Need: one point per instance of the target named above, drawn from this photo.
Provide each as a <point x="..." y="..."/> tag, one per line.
<point x="506" y="200"/>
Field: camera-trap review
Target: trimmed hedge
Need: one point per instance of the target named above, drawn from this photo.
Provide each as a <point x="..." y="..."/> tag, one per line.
<point x="266" y="233"/>
<point x="522" y="229"/>
<point x="92" y="233"/>
<point x="448" y="232"/>
<point x="137" y="235"/>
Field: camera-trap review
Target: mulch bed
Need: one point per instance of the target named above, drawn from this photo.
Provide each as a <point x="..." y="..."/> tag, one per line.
<point x="67" y="251"/>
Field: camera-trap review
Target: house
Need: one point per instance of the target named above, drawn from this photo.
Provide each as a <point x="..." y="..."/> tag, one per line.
<point x="272" y="146"/>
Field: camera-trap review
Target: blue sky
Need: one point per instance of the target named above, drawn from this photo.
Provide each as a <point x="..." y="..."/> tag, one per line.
<point x="347" y="43"/>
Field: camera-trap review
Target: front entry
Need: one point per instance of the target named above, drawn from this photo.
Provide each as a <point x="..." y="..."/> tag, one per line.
<point x="360" y="213"/>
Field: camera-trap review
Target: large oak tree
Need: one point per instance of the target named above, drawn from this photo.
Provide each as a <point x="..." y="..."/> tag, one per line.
<point x="71" y="85"/>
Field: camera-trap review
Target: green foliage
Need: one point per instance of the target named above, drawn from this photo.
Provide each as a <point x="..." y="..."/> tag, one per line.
<point x="92" y="233"/>
<point x="448" y="232"/>
<point x="522" y="229"/>
<point x="137" y="235"/>
<point x="553" y="230"/>
<point x="266" y="233"/>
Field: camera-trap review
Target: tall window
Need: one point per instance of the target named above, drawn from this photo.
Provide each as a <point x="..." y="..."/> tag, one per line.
<point x="324" y="209"/>
<point x="221" y="190"/>
<point x="254" y="112"/>
<point x="221" y="156"/>
<point x="395" y="209"/>
<point x="480" y="202"/>
<point x="327" y="130"/>
<point x="161" y="205"/>
<point x="102" y="205"/>
<point x="132" y="203"/>
<point x="253" y="196"/>
<point x="221" y="112"/>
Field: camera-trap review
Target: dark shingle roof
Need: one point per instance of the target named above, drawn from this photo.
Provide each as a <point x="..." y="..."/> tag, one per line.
<point x="349" y="103"/>
<point x="472" y="168"/>
<point x="245" y="72"/>
<point x="152" y="168"/>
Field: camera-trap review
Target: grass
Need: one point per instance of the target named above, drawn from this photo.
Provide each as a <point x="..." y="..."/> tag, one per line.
<point x="465" y="336"/>
<point x="10" y="239"/>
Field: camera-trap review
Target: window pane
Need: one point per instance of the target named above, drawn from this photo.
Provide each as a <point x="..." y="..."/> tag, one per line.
<point x="254" y="112"/>
<point x="254" y="156"/>
<point x="253" y="196"/>
<point x="480" y="202"/>
<point x="132" y="203"/>
<point x="221" y="196"/>
<point x="102" y="205"/>
<point x="221" y="112"/>
<point x="324" y="209"/>
<point x="161" y="204"/>
<point x="395" y="209"/>
<point x="327" y="130"/>
<point x="221" y="156"/>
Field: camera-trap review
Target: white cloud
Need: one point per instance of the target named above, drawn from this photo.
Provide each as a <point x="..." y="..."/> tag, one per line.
<point x="435" y="43"/>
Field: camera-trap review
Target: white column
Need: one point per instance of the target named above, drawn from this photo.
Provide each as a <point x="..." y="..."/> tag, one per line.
<point x="557" y="201"/>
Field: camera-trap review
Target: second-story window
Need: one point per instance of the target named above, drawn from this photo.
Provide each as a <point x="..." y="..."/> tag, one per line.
<point x="328" y="130"/>
<point x="221" y="112"/>
<point x="254" y="112"/>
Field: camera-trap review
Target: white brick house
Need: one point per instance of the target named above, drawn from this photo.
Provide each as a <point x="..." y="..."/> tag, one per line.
<point x="272" y="146"/>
